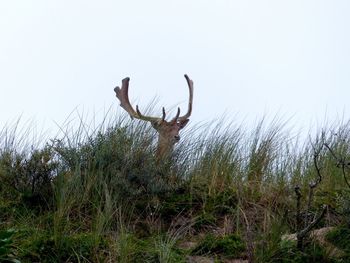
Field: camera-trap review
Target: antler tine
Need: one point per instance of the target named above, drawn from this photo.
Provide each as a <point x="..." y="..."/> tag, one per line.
<point x="148" y="118"/>
<point x="176" y="116"/>
<point x="123" y="96"/>
<point x="164" y="114"/>
<point x="190" y="101"/>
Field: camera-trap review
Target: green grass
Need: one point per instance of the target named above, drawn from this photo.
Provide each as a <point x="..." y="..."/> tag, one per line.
<point x="230" y="246"/>
<point x="98" y="194"/>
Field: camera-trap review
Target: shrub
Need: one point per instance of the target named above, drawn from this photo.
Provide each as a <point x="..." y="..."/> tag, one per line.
<point x="28" y="177"/>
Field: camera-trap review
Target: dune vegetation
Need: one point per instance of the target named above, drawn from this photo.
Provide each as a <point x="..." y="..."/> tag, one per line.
<point x="228" y="194"/>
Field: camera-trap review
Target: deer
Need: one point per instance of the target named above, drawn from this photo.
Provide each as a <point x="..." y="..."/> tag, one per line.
<point x="168" y="131"/>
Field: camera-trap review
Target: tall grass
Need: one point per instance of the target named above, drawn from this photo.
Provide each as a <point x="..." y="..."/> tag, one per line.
<point x="97" y="194"/>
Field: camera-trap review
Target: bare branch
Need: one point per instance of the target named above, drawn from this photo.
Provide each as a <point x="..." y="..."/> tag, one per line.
<point x="298" y="215"/>
<point x="344" y="175"/>
<point x="301" y="234"/>
<point x="316" y="156"/>
<point x="340" y="162"/>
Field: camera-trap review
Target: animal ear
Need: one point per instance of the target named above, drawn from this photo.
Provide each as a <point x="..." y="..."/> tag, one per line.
<point x="184" y="123"/>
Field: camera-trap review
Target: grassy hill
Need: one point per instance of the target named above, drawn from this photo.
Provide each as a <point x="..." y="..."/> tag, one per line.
<point x="227" y="194"/>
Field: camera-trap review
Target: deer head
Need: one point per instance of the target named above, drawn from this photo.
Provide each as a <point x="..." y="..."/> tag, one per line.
<point x="168" y="130"/>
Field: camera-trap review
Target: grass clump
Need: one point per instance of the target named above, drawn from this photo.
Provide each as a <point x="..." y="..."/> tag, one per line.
<point x="311" y="253"/>
<point x="229" y="246"/>
<point x="340" y="237"/>
<point x="42" y="247"/>
<point x="7" y="250"/>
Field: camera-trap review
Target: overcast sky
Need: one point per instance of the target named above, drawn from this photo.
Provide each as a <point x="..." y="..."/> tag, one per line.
<point x="247" y="58"/>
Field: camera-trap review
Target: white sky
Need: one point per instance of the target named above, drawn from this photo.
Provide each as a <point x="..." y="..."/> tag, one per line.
<point x="247" y="58"/>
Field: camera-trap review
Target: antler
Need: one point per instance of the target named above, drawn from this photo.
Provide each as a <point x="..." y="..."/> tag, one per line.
<point x="123" y="96"/>
<point x="185" y="117"/>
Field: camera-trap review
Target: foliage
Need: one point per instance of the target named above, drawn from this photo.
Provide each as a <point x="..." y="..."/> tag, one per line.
<point x="28" y="176"/>
<point x="6" y="248"/>
<point x="340" y="238"/>
<point x="43" y="247"/>
<point x="228" y="246"/>
<point x="99" y="195"/>
<point x="311" y="253"/>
